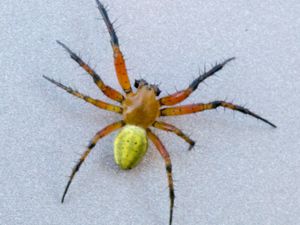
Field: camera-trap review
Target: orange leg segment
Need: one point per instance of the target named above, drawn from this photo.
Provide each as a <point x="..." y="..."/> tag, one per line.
<point x="107" y="90"/>
<point x="193" y="108"/>
<point x="105" y="131"/>
<point x="119" y="61"/>
<point x="169" y="127"/>
<point x="179" y="96"/>
<point x="163" y="152"/>
<point x="95" y="102"/>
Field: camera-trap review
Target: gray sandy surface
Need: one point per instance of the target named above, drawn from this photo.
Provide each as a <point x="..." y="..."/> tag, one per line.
<point x="241" y="171"/>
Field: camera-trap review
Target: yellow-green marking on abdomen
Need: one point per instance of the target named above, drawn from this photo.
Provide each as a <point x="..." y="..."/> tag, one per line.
<point x="130" y="146"/>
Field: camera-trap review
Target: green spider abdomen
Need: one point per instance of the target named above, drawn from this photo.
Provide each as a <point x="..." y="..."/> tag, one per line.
<point x="130" y="146"/>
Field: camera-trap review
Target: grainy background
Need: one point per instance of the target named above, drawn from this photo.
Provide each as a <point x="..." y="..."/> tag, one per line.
<point x="241" y="171"/>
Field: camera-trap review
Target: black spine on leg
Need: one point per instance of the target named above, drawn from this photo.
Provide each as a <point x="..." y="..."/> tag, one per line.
<point x="75" y="57"/>
<point x="241" y="109"/>
<point x="109" y="25"/>
<point x="212" y="71"/>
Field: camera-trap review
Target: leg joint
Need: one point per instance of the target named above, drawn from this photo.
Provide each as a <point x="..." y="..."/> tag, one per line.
<point x="216" y="104"/>
<point x="169" y="168"/>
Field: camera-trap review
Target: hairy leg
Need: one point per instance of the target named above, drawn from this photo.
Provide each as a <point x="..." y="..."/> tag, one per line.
<point x="105" y="131"/>
<point x="163" y="152"/>
<point x="169" y="127"/>
<point x="107" y="90"/>
<point x="95" y="102"/>
<point x="119" y="61"/>
<point x="179" y="96"/>
<point x="193" y="108"/>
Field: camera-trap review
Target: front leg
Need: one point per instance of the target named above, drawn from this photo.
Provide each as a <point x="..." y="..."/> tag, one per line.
<point x="119" y="61"/>
<point x="193" y="108"/>
<point x="180" y="96"/>
<point x="107" y="90"/>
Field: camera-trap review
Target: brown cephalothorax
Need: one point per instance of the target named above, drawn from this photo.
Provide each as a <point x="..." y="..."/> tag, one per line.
<point x="140" y="110"/>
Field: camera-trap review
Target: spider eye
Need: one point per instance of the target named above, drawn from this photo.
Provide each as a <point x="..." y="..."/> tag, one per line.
<point x="136" y="83"/>
<point x="158" y="91"/>
<point x="139" y="83"/>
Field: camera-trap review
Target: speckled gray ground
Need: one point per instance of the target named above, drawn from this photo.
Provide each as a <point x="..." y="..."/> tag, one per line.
<point x="241" y="171"/>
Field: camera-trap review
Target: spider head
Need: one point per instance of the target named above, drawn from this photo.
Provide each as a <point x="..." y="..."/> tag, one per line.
<point x="142" y="83"/>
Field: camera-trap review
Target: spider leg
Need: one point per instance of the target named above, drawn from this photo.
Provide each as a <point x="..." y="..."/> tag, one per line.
<point x="179" y="96"/>
<point x="105" y="131"/>
<point x="98" y="103"/>
<point x="164" y="153"/>
<point x="169" y="127"/>
<point x="119" y="60"/>
<point x="193" y="108"/>
<point x="107" y="90"/>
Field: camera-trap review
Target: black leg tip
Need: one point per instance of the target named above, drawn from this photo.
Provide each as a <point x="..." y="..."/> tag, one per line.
<point x="228" y="60"/>
<point x="47" y="78"/>
<point x="192" y="145"/>
<point x="60" y="43"/>
<point x="99" y="4"/>
<point x="64" y="46"/>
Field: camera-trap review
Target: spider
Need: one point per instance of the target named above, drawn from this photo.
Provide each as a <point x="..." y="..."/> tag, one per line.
<point x="140" y="110"/>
